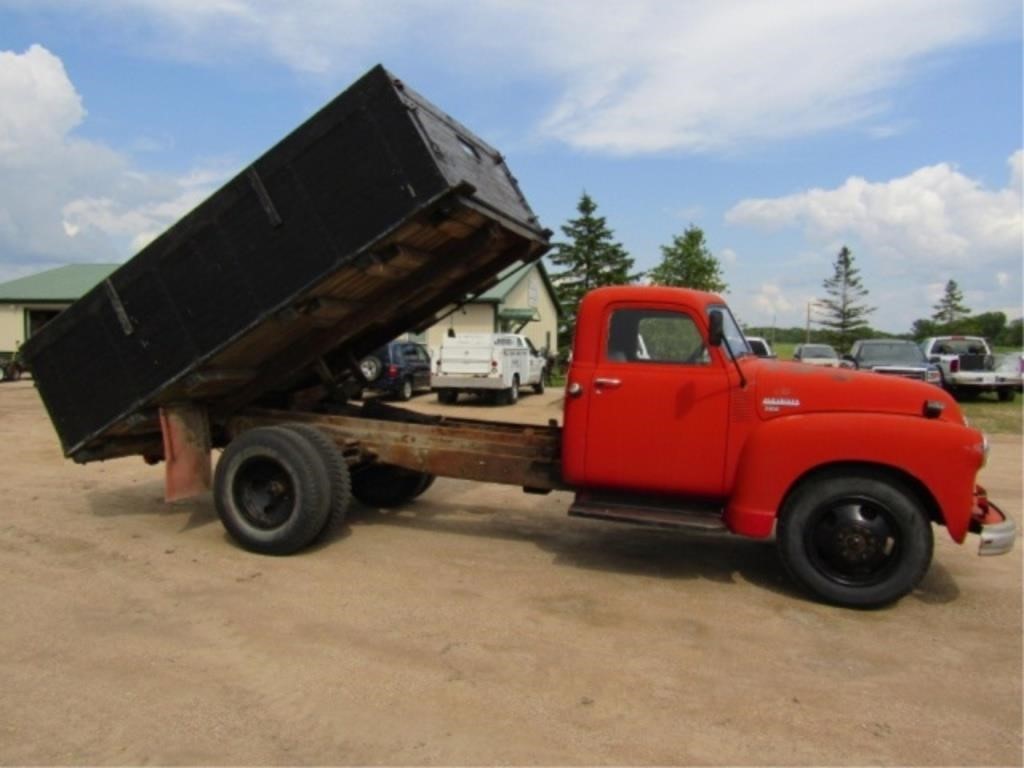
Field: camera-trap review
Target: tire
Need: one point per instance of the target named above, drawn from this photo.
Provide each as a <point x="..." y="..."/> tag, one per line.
<point x="385" y="485"/>
<point x="337" y="471"/>
<point x="1006" y="395"/>
<point x="272" y="491"/>
<point x="538" y="388"/>
<point x="371" y="368"/>
<point x="426" y="480"/>
<point x="404" y="392"/>
<point x="447" y="396"/>
<point x="509" y="396"/>
<point x="859" y="540"/>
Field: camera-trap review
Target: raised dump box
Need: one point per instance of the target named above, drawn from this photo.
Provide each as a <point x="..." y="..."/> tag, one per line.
<point x="372" y="218"/>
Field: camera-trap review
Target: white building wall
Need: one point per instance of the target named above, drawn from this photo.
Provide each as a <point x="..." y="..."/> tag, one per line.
<point x="471" y="318"/>
<point x="12" y="327"/>
<point x="531" y="293"/>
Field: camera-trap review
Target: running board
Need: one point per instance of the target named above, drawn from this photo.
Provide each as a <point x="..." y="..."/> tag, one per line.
<point x="660" y="513"/>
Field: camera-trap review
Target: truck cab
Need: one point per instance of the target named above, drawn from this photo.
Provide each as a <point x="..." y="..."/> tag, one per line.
<point x="847" y="468"/>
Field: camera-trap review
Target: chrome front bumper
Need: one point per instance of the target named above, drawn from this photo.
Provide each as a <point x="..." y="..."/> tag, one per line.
<point x="997" y="531"/>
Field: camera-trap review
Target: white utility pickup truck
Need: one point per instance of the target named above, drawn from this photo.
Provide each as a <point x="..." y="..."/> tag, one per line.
<point x="496" y="364"/>
<point x="967" y="366"/>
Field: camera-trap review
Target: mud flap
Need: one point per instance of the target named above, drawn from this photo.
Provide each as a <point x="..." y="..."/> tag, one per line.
<point x="186" y="437"/>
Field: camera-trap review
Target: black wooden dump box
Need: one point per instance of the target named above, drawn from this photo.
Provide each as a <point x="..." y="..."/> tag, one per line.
<point x="370" y="219"/>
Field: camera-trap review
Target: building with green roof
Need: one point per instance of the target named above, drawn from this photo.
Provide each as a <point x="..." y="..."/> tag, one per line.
<point x="522" y="301"/>
<point x="28" y="303"/>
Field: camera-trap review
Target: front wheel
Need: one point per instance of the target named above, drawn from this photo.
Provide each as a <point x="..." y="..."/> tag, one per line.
<point x="860" y="540"/>
<point x="538" y="388"/>
<point x="1006" y="395"/>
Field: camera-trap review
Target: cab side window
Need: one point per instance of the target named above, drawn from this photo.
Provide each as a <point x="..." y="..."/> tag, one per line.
<point x="654" y="336"/>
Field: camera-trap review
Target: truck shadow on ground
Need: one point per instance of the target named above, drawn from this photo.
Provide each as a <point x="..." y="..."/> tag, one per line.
<point x="624" y="549"/>
<point x="587" y="544"/>
<point x="147" y="499"/>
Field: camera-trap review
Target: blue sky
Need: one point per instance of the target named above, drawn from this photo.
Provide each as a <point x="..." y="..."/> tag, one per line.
<point x="783" y="129"/>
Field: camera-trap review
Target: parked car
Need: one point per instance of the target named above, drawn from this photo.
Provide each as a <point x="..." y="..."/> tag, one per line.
<point x="967" y="366"/>
<point x="817" y="354"/>
<point x="397" y="369"/>
<point x="495" y="364"/>
<point x="1010" y="369"/>
<point x="893" y="357"/>
<point x="760" y="347"/>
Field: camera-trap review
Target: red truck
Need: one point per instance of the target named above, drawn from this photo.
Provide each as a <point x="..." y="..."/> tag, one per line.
<point x="243" y="325"/>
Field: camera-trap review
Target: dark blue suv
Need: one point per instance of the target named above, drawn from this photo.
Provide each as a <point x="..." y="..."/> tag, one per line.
<point x="397" y="369"/>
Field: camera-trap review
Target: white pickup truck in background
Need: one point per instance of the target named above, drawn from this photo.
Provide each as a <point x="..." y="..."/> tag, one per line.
<point x="499" y="364"/>
<point x="967" y="366"/>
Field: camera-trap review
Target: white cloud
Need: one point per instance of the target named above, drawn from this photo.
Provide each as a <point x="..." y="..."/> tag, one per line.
<point x="64" y="198"/>
<point x="770" y="300"/>
<point x="728" y="256"/>
<point x="644" y="76"/>
<point x="935" y="216"/>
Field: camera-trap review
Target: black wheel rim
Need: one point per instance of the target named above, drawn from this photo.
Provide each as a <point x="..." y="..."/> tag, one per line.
<point x="264" y="493"/>
<point x="854" y="541"/>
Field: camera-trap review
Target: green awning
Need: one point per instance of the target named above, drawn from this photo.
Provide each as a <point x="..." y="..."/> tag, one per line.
<point x="525" y="315"/>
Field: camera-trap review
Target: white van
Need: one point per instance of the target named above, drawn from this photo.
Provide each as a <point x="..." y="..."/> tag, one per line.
<point x="498" y="363"/>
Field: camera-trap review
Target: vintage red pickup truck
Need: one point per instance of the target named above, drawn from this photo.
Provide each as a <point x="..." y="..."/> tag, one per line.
<point x="849" y="470"/>
<point x="242" y="327"/>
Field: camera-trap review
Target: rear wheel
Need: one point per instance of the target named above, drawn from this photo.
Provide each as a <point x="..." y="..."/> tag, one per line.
<point x="272" y="491"/>
<point x="538" y="388"/>
<point x="447" y="396"/>
<point x="1006" y="395"/>
<point x="509" y="396"/>
<point x="860" y="540"/>
<point x="337" y="470"/>
<point x="404" y="390"/>
<point x="385" y="485"/>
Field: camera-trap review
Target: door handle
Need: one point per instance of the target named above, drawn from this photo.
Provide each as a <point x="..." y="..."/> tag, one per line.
<point x="608" y="383"/>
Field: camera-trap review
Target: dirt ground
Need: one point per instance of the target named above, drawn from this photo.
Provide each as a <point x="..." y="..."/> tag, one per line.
<point x="478" y="625"/>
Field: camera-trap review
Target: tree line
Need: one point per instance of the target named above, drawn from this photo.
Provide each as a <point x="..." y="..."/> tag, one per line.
<point x="590" y="257"/>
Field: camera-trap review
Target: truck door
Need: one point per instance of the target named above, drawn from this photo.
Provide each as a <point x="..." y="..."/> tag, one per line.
<point x="658" y="412"/>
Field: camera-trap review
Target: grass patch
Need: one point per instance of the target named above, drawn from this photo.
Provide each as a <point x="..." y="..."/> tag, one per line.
<point x="995" y="417"/>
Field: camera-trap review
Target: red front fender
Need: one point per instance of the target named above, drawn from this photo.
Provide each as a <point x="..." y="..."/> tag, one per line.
<point x="941" y="457"/>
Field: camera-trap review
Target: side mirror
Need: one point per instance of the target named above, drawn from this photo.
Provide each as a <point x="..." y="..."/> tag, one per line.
<point x="715" y="336"/>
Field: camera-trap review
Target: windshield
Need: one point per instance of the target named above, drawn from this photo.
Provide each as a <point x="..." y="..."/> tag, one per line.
<point x="731" y="333"/>
<point x="817" y="350"/>
<point x="892" y="352"/>
<point x="959" y="347"/>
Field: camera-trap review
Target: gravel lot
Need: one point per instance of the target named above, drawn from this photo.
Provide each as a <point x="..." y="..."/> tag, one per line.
<point x="478" y="625"/>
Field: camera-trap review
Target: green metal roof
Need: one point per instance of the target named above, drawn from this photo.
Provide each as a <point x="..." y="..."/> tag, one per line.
<point x="66" y="283"/>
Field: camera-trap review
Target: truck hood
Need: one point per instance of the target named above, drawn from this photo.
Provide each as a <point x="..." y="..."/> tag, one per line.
<point x="785" y="389"/>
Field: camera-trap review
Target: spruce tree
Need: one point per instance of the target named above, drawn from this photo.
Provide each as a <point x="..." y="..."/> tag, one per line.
<point x="688" y="263"/>
<point x="588" y="259"/>
<point x="845" y="310"/>
<point x="951" y="306"/>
